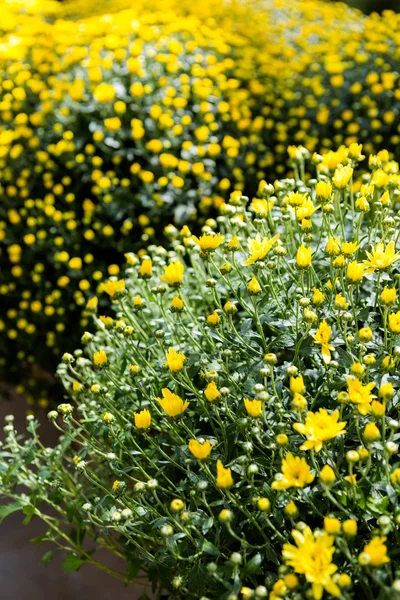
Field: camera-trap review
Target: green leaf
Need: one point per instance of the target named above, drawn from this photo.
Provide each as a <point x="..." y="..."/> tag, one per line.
<point x="253" y="565"/>
<point x="8" y="509"/>
<point x="209" y="548"/>
<point x="72" y="563"/>
<point x="29" y="511"/>
<point x="46" y="558"/>
<point x="133" y="568"/>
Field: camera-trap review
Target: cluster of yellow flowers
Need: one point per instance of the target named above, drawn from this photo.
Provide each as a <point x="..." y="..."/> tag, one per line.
<point x="114" y="116"/>
<point x="242" y="393"/>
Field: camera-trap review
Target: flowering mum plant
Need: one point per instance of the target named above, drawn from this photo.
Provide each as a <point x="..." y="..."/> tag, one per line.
<point x="112" y="123"/>
<point x="231" y="429"/>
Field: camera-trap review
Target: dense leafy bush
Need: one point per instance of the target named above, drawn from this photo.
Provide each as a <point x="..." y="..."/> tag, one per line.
<point x="113" y="124"/>
<point x="233" y="425"/>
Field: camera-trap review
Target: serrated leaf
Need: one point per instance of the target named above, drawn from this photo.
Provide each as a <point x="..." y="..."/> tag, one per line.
<point x="29" y="511"/>
<point x="46" y="558"/>
<point x="8" y="509"/>
<point x="72" y="563"/>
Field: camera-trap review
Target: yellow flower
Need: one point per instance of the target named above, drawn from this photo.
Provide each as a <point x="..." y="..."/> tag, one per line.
<point x="200" y="450"/>
<point x="224" y="476"/>
<point x="253" y="407"/>
<point x="104" y="92"/>
<point x="350" y="527"/>
<point x="332" y="525"/>
<point x="342" y="176"/>
<point x="211" y="392"/>
<point x="172" y="404"/>
<point x="332" y="247"/>
<point x="394" y="322"/>
<point x="371" y="433"/>
<point x="388" y="296"/>
<point x="113" y="288"/>
<point x="208" y="242"/>
<point x="318" y="297"/>
<point x="259" y="248"/>
<point x="92" y="303"/>
<point x="365" y="334"/>
<point x="175" y="360"/>
<point x="297" y="385"/>
<point x="261" y="207"/>
<point x="254" y="287"/>
<point x="375" y="552"/>
<point x="100" y="358"/>
<point x="306" y="209"/>
<point x="303" y="257"/>
<point x="380" y="258"/>
<point x="295" y="473"/>
<point x="173" y="274"/>
<point x="355" y="271"/>
<point x="146" y="268"/>
<point x="214" y="319"/>
<point x="395" y="476"/>
<point x="327" y="475"/>
<point x="322" y="336"/>
<point x="177" y="304"/>
<point x="312" y="557"/>
<point x="360" y="394"/>
<point x="349" y="248"/>
<point x="142" y="419"/>
<point x="323" y="189"/>
<point x="341" y="302"/>
<point x="386" y="391"/>
<point x="319" y="428"/>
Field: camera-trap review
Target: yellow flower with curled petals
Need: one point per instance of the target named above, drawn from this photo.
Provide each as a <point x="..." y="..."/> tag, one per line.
<point x="224" y="476"/>
<point x="171" y="403"/>
<point x="253" y="407"/>
<point x="175" y="360"/>
<point x="173" y="274"/>
<point x="376" y="552"/>
<point x="381" y="257"/>
<point x="146" y="268"/>
<point x="142" y="419"/>
<point x="200" y="450"/>
<point x="319" y="428"/>
<point x="360" y="394"/>
<point x="296" y="472"/>
<point x="322" y="337"/>
<point x="303" y="257"/>
<point x="211" y="392"/>
<point x="113" y="288"/>
<point x="208" y="242"/>
<point x="259" y="248"/>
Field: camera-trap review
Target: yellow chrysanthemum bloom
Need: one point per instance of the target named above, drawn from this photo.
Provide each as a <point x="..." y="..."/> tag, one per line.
<point x="171" y="403"/>
<point x="224" y="476"/>
<point x="312" y="557"/>
<point x="394" y="322"/>
<point x="303" y="257"/>
<point x="322" y="337"/>
<point x="259" y="248"/>
<point x="146" y="268"/>
<point x="295" y="473"/>
<point x="175" y="360"/>
<point x="142" y="419"/>
<point x="375" y="553"/>
<point x="381" y="257"/>
<point x="173" y="274"/>
<point x="253" y="407"/>
<point x="113" y="288"/>
<point x="360" y="394"/>
<point x="200" y="450"/>
<point x="207" y="242"/>
<point x="320" y="427"/>
<point x="211" y="392"/>
<point x="100" y="358"/>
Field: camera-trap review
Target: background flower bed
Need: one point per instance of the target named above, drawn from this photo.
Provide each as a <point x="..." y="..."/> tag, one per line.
<point x="114" y="126"/>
